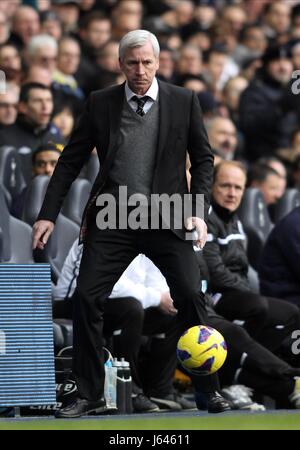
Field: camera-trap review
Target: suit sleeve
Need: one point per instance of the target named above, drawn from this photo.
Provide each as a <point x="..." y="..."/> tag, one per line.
<point x="72" y="159"/>
<point x="201" y="158"/>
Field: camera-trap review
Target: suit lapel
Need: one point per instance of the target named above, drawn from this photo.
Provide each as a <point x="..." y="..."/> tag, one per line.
<point x="165" y="112"/>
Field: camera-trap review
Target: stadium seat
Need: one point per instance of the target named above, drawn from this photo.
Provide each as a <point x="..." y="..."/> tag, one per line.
<point x="256" y="221"/>
<point x="20" y="241"/>
<point x="58" y="246"/>
<point x="289" y="201"/>
<point x="34" y="198"/>
<point x="76" y="200"/>
<point x="66" y="328"/>
<point x="11" y="176"/>
<point x="25" y="156"/>
<point x="91" y="168"/>
<point x="58" y="336"/>
<point x="16" y="242"/>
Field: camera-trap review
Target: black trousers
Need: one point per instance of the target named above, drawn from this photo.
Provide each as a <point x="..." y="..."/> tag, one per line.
<point x="269" y="320"/>
<point x="106" y="255"/>
<point x="249" y="363"/>
<point x="127" y="328"/>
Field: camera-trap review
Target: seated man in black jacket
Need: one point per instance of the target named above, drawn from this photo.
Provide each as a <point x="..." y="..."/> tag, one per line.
<point x="269" y="320"/>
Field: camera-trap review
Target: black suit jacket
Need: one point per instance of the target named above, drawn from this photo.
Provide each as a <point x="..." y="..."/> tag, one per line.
<point x="181" y="129"/>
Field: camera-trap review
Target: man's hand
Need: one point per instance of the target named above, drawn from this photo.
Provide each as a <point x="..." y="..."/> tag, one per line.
<point x="201" y="230"/>
<point x="40" y="233"/>
<point x="166" y="304"/>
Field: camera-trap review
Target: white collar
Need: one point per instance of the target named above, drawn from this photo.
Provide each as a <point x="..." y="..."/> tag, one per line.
<point x="152" y="91"/>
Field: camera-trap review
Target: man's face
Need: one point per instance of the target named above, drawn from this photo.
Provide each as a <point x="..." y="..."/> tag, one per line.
<point x="139" y="67"/>
<point x="39" y="107"/>
<point x="228" y="187"/>
<point x="281" y="70"/>
<point x="98" y="33"/>
<point x="68" y="57"/>
<point x="222" y="137"/>
<point x="8" y="108"/>
<point x="272" y="188"/>
<point x="45" y="163"/>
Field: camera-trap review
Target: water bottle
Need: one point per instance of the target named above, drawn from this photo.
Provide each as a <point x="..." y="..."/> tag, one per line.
<point x="121" y="389"/>
<point x="128" y="385"/>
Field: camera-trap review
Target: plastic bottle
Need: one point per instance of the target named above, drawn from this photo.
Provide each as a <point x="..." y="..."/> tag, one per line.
<point x="121" y="388"/>
<point x="128" y="385"/>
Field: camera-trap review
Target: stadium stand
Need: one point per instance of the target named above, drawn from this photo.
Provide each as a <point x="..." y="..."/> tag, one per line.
<point x="256" y="221"/>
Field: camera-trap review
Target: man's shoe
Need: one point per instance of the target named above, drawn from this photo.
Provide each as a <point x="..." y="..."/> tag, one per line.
<point x="213" y="402"/>
<point x="142" y="404"/>
<point x="174" y="402"/>
<point x="240" y="398"/>
<point x="80" y="407"/>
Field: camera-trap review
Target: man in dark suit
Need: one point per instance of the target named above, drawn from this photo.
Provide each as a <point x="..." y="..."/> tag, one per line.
<point x="142" y="131"/>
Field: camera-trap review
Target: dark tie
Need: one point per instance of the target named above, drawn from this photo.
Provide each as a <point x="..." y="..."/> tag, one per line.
<point x="140" y="104"/>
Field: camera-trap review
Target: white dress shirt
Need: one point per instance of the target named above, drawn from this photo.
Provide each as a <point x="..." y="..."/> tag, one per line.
<point x="152" y="93"/>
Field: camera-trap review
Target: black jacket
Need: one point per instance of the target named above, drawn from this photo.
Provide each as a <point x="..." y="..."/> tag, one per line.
<point x="23" y="134"/>
<point x="181" y="129"/>
<point x="260" y="115"/>
<point x="225" y="252"/>
<point x="279" y="269"/>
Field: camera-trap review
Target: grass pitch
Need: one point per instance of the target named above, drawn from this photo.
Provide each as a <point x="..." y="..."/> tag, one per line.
<point x="270" y="420"/>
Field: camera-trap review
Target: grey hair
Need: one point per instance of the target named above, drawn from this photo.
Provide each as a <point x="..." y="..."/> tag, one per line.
<point x="138" y="38"/>
<point x="39" y="41"/>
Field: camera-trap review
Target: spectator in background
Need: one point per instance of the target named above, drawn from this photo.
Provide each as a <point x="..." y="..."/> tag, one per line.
<point x="194" y="83"/>
<point x="276" y="19"/>
<point x="260" y="104"/>
<point x="44" y="160"/>
<point x="189" y="61"/>
<point x="253" y="42"/>
<point x="42" y="51"/>
<point x="279" y="264"/>
<point x="222" y="136"/>
<point x="231" y="96"/>
<point x="37" y="74"/>
<point x="166" y="64"/>
<point x="10" y="63"/>
<point x="25" y="25"/>
<point x="4" y="28"/>
<point x="94" y="33"/>
<point x="63" y="119"/>
<point x="271" y="184"/>
<point x="269" y="320"/>
<point x="68" y="59"/>
<point x="9" y="7"/>
<point x="295" y="18"/>
<point x="33" y="126"/>
<point x="218" y="69"/>
<point x="9" y="106"/>
<point x="68" y="13"/>
<point x="50" y="24"/>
